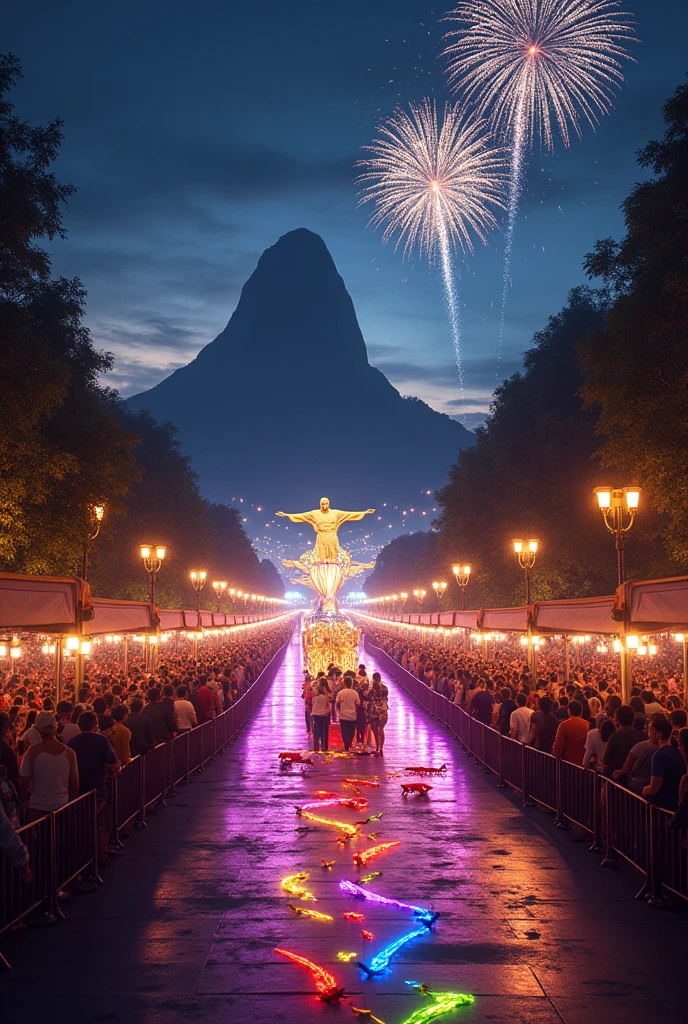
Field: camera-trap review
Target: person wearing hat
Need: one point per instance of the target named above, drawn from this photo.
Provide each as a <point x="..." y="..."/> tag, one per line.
<point x="49" y="778"/>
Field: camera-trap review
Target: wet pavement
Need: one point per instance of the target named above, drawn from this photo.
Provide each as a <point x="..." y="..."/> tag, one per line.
<point x="185" y="926"/>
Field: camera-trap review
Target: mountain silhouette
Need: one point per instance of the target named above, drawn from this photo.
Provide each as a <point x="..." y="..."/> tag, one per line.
<point x="283" y="406"/>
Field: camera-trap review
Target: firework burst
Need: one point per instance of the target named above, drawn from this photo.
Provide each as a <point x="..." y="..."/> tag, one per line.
<point x="434" y="186"/>
<point x="533" y="67"/>
<point x="534" y="64"/>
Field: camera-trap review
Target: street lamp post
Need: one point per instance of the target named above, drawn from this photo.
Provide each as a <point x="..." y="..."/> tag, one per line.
<point x="404" y="599"/>
<point x="439" y="589"/>
<point x="153" y="556"/>
<point x="96" y="513"/>
<point x="219" y="588"/>
<point x="198" y="578"/>
<point x="526" y="552"/>
<point x="611" y="502"/>
<point x="232" y="595"/>
<point x="462" y="574"/>
<point x="419" y="595"/>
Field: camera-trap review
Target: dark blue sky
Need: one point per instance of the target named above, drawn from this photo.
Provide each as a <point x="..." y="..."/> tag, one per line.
<point x="199" y="132"/>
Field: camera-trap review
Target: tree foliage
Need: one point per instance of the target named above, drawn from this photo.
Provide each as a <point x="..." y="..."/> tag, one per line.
<point x="530" y="474"/>
<point x="67" y="443"/>
<point x="636" y="367"/>
<point x="62" y="449"/>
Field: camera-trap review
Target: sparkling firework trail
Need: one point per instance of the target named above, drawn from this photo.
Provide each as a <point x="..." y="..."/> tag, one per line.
<point x="325" y="983"/>
<point x="380" y="962"/>
<point x="444" y="1002"/>
<point x="533" y="67"/>
<point x="433" y="187"/>
<point x="364" y="856"/>
<point x="292" y="885"/>
<point x="427" y="916"/>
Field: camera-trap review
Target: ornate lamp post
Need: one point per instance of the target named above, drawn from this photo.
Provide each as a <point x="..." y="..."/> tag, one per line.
<point x="232" y="595"/>
<point x="404" y="599"/>
<point x="526" y="552"/>
<point x="419" y="595"/>
<point x="96" y="513"/>
<point x="198" y="578"/>
<point x="219" y="588"/>
<point x="439" y="589"/>
<point x="462" y="574"/>
<point x="614" y="503"/>
<point x="153" y="556"/>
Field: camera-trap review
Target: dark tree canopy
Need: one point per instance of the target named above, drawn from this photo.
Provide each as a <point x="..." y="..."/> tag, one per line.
<point x="636" y="368"/>
<point x="66" y="441"/>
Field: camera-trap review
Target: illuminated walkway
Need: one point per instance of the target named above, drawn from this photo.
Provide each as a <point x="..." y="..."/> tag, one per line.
<point x="185" y="926"/>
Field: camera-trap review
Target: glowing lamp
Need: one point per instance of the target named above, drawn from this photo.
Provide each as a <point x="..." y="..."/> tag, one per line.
<point x="3" y="650"/>
<point x="85" y="647"/>
<point x="15" y="652"/>
<point x="632" y="498"/>
<point x="632" y="642"/>
<point x="72" y="643"/>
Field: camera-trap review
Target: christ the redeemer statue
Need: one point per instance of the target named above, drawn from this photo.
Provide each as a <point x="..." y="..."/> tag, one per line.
<point x="326" y="521"/>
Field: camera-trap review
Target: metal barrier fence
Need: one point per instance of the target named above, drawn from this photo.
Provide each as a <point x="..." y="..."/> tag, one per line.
<point x="620" y="823"/>
<point x="64" y="844"/>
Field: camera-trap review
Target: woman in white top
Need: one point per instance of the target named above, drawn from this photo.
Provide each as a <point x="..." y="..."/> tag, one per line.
<point x="596" y="744"/>
<point x="347" y="705"/>
<point x="320" y="715"/>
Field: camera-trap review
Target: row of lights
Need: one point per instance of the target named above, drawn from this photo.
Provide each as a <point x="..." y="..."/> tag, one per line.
<point x="613" y="503"/>
<point x="632" y="643"/>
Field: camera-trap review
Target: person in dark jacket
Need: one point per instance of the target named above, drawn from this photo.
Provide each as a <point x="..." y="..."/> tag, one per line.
<point x="161" y="716"/>
<point x="141" y="730"/>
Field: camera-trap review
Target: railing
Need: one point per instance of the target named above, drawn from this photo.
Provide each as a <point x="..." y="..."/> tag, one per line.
<point x="620" y="823"/>
<point x="63" y="845"/>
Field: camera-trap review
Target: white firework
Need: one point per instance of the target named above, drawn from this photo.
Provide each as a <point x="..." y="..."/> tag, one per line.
<point x="434" y="187"/>
<point x="539" y="62"/>
<point x="432" y="184"/>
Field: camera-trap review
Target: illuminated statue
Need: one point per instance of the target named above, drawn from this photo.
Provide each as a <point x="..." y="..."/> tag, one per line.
<point x="326" y="521"/>
<point x="328" y="637"/>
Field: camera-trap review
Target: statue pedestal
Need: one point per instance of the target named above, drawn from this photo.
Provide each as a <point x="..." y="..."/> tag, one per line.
<point x="330" y="640"/>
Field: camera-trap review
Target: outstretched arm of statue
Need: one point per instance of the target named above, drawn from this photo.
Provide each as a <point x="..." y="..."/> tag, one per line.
<point x="350" y="517"/>
<point x="296" y="517"/>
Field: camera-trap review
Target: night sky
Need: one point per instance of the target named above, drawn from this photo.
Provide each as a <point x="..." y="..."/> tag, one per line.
<point x="198" y="133"/>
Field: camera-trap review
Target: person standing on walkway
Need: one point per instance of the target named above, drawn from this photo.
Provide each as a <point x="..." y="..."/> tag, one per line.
<point x="49" y="774"/>
<point x="347" y="705"/>
<point x="569" y="744"/>
<point x="161" y="715"/>
<point x="141" y="730"/>
<point x="321" y="716"/>
<point x="378" y="712"/>
<point x="482" y="703"/>
<point x="667" y="767"/>
<point x="97" y="761"/>
<point x="520" y="719"/>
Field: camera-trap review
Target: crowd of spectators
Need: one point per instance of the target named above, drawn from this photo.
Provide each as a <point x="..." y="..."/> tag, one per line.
<point x="642" y="745"/>
<point x="52" y="751"/>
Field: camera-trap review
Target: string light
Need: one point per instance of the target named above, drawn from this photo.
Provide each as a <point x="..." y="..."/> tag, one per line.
<point x="346" y="957"/>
